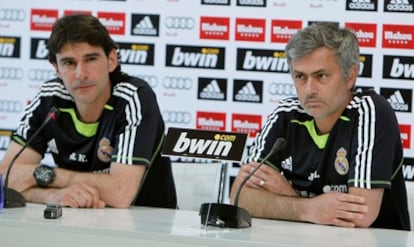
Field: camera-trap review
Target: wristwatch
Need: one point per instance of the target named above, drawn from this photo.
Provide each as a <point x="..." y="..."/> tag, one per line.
<point x="44" y="175"/>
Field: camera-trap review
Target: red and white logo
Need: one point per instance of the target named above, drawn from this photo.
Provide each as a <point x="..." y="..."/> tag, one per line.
<point x="214" y="28"/>
<point x="43" y="19"/>
<point x="365" y="32"/>
<point x="114" y="22"/>
<point x="249" y="124"/>
<point x="405" y="130"/>
<point x="250" y="29"/>
<point x="72" y="12"/>
<point x="283" y="30"/>
<point x="398" y="36"/>
<point x="211" y="121"/>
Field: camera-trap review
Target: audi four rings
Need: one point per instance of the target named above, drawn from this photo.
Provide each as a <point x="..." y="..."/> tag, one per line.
<point x="11" y="106"/>
<point x="41" y="74"/>
<point x="177" y="117"/>
<point x="283" y="89"/>
<point x="152" y="80"/>
<point x="179" y="22"/>
<point x="171" y="82"/>
<point x="16" y="15"/>
<point x="11" y="73"/>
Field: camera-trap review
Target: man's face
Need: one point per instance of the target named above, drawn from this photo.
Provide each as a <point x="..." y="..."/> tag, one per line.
<point x="320" y="85"/>
<point x="84" y="70"/>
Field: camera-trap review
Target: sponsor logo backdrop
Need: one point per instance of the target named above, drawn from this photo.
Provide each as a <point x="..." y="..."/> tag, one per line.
<point x="214" y="64"/>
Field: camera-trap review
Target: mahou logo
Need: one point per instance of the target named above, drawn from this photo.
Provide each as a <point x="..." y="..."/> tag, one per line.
<point x="211" y="121"/>
<point x="249" y="124"/>
<point x="214" y="28"/>
<point x="398" y="36"/>
<point x="73" y="12"/>
<point x="405" y="130"/>
<point x="283" y="30"/>
<point x="366" y="33"/>
<point x="250" y="29"/>
<point x="43" y="19"/>
<point x="114" y="22"/>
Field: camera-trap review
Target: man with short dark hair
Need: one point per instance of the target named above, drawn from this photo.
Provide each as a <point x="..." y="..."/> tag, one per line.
<point x="106" y="142"/>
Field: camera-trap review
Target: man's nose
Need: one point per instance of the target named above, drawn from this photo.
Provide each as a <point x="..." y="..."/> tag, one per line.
<point x="311" y="85"/>
<point x="81" y="71"/>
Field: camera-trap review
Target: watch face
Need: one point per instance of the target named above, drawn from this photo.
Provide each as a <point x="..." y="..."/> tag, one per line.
<point x="44" y="175"/>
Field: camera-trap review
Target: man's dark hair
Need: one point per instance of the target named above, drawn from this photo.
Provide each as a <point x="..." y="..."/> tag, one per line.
<point x="79" y="28"/>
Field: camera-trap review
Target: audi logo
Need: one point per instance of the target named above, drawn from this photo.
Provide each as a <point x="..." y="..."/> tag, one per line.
<point x="184" y="83"/>
<point x="11" y="106"/>
<point x="283" y="89"/>
<point x="12" y="15"/>
<point x="179" y="22"/>
<point x="151" y="79"/>
<point x="176" y="117"/>
<point x="41" y="74"/>
<point x="11" y="73"/>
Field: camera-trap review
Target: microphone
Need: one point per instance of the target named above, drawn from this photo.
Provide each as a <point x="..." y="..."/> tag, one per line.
<point x="225" y="215"/>
<point x="13" y="198"/>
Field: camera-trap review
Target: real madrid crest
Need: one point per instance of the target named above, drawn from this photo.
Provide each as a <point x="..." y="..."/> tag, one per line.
<point x="341" y="162"/>
<point x="104" y="150"/>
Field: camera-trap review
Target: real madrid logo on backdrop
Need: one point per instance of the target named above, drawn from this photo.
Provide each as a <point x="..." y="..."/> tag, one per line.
<point x="104" y="150"/>
<point x="341" y="162"/>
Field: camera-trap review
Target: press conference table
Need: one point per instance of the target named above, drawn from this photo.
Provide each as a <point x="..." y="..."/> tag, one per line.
<point x="144" y="226"/>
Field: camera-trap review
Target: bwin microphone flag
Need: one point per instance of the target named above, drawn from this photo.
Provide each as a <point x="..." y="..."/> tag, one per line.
<point x="207" y="144"/>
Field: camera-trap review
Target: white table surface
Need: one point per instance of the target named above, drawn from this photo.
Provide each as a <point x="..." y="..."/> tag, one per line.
<point x="143" y="226"/>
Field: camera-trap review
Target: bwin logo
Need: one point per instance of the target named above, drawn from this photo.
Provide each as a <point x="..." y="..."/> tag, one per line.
<point x="408" y="171"/>
<point x="4" y="142"/>
<point x="133" y="57"/>
<point x="202" y="146"/>
<point x="193" y="59"/>
<point x="265" y="63"/>
<point x="400" y="70"/>
<point x="40" y="50"/>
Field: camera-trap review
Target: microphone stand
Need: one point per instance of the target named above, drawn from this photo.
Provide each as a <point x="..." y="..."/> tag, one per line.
<point x="13" y="198"/>
<point x="225" y="215"/>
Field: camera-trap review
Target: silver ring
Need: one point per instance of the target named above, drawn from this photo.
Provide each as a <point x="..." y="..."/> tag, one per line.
<point x="262" y="182"/>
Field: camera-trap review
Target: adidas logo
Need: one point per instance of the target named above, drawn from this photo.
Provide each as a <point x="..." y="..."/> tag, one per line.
<point x="247" y="93"/>
<point x="397" y="101"/>
<point x="212" y="91"/>
<point x="287" y="164"/>
<point x="145" y="27"/>
<point x="368" y="5"/>
<point x="399" y="6"/>
<point x="51" y="147"/>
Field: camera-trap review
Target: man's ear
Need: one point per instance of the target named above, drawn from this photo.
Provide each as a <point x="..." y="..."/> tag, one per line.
<point x="353" y="74"/>
<point x="57" y="71"/>
<point x="113" y="60"/>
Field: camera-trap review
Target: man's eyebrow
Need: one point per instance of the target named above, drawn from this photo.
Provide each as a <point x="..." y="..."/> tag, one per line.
<point x="93" y="54"/>
<point x="65" y="59"/>
<point x="312" y="73"/>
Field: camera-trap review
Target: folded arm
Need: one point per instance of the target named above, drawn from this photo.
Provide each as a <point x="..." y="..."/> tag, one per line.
<point x="276" y="199"/>
<point x="117" y="189"/>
